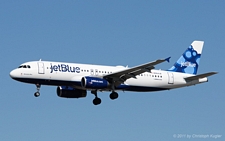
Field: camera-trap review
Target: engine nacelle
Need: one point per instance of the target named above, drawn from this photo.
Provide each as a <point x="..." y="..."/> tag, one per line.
<point x="69" y="92"/>
<point x="94" y="82"/>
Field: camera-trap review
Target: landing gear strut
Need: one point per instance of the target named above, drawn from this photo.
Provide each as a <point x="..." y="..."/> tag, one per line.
<point x="113" y="95"/>
<point x="37" y="94"/>
<point x="96" y="100"/>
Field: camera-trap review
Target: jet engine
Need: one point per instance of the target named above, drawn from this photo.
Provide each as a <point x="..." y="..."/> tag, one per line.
<point x="94" y="83"/>
<point x="69" y="92"/>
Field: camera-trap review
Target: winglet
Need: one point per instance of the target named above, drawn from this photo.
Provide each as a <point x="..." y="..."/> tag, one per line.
<point x="168" y="59"/>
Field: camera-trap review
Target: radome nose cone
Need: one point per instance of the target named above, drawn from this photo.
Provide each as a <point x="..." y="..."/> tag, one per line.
<point x="12" y="74"/>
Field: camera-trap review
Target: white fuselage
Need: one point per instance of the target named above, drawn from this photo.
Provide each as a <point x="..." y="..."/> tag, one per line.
<point x="70" y="74"/>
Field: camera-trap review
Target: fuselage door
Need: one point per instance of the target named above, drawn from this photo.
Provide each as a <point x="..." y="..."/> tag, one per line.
<point x="170" y="78"/>
<point x="41" y="68"/>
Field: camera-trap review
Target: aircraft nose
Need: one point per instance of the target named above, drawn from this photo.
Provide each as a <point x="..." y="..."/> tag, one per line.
<point x="12" y="74"/>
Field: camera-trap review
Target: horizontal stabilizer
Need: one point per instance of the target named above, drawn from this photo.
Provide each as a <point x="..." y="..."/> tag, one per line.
<point x="200" y="76"/>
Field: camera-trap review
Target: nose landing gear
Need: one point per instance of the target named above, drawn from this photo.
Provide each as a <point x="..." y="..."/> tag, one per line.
<point x="37" y="94"/>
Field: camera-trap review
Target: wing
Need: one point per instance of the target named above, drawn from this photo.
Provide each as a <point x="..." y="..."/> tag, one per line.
<point x="121" y="76"/>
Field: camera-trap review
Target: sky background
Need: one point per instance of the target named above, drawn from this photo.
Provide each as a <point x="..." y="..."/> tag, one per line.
<point x="116" y="32"/>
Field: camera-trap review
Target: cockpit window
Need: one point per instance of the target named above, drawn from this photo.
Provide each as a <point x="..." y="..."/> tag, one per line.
<point x="24" y="66"/>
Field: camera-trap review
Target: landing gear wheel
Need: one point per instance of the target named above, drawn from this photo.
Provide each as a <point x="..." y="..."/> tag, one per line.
<point x="37" y="94"/>
<point x="97" y="101"/>
<point x="114" y="95"/>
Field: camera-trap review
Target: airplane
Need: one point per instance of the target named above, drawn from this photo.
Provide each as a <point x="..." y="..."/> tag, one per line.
<point x="73" y="80"/>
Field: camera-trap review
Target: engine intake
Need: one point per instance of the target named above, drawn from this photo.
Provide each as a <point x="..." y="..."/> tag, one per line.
<point x="94" y="83"/>
<point x="69" y="92"/>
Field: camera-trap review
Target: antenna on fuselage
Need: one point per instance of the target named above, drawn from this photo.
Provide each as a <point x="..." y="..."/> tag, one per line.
<point x="40" y="60"/>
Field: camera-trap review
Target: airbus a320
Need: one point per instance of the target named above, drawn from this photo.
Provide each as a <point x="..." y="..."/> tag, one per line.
<point x="73" y="80"/>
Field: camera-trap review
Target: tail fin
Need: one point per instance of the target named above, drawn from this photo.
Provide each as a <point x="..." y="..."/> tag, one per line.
<point x="189" y="61"/>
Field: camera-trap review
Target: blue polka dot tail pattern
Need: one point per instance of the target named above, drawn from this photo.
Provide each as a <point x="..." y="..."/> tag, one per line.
<point x="189" y="61"/>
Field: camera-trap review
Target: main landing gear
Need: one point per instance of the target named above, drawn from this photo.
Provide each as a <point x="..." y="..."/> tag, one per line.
<point x="37" y="94"/>
<point x="97" y="100"/>
<point x="113" y="95"/>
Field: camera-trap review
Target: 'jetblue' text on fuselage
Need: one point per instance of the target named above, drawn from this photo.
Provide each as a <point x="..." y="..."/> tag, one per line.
<point x="64" y="68"/>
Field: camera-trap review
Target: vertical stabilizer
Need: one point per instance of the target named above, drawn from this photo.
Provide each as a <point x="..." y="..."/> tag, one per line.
<point x="189" y="61"/>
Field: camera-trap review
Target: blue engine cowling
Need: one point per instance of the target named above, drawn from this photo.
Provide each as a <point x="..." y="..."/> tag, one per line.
<point x="69" y="92"/>
<point x="94" y="83"/>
